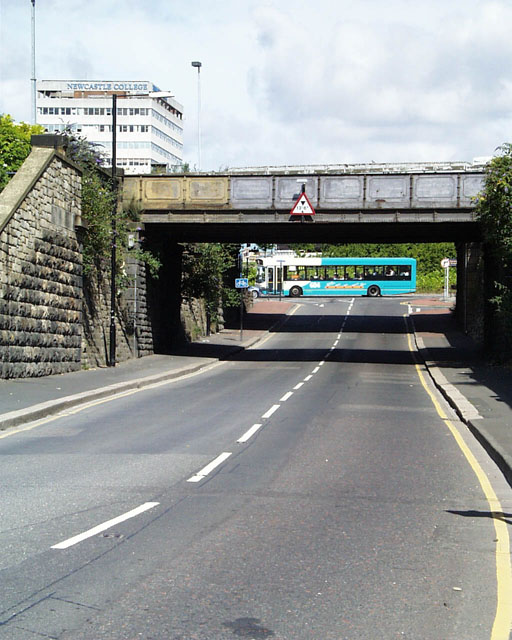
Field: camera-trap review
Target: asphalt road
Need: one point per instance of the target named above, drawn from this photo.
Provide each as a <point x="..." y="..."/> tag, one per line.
<point x="305" y="489"/>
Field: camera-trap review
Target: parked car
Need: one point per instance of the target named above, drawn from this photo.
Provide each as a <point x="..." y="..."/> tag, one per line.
<point x="254" y="292"/>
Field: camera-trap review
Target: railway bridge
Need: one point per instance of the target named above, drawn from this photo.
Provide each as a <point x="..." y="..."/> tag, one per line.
<point x="421" y="202"/>
<point x="380" y="203"/>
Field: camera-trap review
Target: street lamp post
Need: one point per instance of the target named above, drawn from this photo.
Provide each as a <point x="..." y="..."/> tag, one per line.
<point x="113" y="247"/>
<point x="33" y="79"/>
<point x="198" y="66"/>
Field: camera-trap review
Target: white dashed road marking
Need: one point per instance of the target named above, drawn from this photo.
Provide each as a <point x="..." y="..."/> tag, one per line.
<point x="210" y="467"/>
<point x="105" y="525"/>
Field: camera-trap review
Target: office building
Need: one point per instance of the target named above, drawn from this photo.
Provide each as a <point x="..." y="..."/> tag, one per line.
<point x="149" y="121"/>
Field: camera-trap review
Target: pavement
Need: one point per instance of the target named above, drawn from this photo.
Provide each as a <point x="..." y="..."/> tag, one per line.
<point x="480" y="393"/>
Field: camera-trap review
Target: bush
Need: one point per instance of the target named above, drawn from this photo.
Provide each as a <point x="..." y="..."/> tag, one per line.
<point x="14" y="146"/>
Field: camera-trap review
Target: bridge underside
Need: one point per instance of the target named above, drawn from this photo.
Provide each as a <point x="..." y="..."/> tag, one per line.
<point x="313" y="230"/>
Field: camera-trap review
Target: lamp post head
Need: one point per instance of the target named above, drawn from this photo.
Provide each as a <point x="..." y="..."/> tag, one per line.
<point x="196" y="63"/>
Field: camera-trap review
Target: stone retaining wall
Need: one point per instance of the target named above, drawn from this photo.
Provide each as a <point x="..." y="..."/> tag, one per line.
<point x="134" y="336"/>
<point x="40" y="268"/>
<point x="51" y="319"/>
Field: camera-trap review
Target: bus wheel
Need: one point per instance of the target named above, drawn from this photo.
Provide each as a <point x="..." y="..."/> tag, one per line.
<point x="295" y="292"/>
<point x="373" y="291"/>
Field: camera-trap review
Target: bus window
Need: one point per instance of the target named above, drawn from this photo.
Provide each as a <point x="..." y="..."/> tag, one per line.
<point x="391" y="271"/>
<point x="291" y="273"/>
<point x="404" y="273"/>
<point x="301" y="272"/>
<point x="359" y="273"/>
<point x="373" y="272"/>
<point x="350" y="272"/>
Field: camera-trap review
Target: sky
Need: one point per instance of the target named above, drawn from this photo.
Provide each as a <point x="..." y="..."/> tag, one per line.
<point x="287" y="82"/>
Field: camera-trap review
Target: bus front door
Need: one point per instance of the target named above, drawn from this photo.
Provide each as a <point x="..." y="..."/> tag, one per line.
<point x="279" y="280"/>
<point x="274" y="280"/>
<point x="270" y="280"/>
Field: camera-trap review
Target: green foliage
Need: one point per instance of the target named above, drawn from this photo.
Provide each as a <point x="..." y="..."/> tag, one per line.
<point x="184" y="167"/>
<point x="152" y="261"/>
<point x="494" y="207"/>
<point x="494" y="210"/>
<point x="99" y="204"/>
<point x="206" y="274"/>
<point x="433" y="282"/>
<point x="14" y="146"/>
<point x="251" y="273"/>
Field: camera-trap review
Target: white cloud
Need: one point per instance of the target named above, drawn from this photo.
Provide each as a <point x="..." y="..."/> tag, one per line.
<point x="288" y="82"/>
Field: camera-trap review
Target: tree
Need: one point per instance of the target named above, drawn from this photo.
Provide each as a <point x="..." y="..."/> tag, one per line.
<point x="14" y="145"/>
<point x="494" y="210"/>
<point x="206" y="269"/>
<point x="494" y="207"/>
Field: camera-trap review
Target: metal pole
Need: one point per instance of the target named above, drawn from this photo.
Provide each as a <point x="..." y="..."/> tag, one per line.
<point x="241" y="271"/>
<point x="33" y="79"/>
<point x="135" y="346"/>
<point x="241" y="315"/>
<point x="199" y="115"/>
<point x="465" y="245"/>
<point x="198" y="66"/>
<point x="113" y="256"/>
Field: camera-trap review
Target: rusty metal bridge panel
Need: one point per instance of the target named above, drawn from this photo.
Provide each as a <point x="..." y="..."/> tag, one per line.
<point x="328" y="193"/>
<point x="351" y="204"/>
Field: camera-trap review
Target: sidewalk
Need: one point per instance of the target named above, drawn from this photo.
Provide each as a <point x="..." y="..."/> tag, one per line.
<point x="481" y="394"/>
<point x="26" y="399"/>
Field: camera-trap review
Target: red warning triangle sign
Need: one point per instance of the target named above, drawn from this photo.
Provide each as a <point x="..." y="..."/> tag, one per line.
<point x="302" y="207"/>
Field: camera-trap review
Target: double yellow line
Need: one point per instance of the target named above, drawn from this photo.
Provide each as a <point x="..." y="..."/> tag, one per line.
<point x="503" y="618"/>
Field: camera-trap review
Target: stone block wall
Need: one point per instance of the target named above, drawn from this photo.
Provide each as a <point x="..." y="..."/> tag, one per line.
<point x="134" y="309"/>
<point x="40" y="268"/>
<point x="52" y="319"/>
<point x="134" y="337"/>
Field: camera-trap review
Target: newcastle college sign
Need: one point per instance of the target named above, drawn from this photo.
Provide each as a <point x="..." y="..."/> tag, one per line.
<point x="109" y="86"/>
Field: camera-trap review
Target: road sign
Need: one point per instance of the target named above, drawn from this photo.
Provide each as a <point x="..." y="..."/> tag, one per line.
<point x="445" y="263"/>
<point x="241" y="283"/>
<point x="302" y="207"/>
<point x="453" y="262"/>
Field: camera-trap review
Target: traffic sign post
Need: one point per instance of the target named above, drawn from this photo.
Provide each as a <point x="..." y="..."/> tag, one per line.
<point x="241" y="284"/>
<point x="446" y="263"/>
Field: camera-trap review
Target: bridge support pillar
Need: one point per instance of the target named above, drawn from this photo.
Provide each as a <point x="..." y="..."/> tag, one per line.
<point x="164" y="293"/>
<point x="470" y="289"/>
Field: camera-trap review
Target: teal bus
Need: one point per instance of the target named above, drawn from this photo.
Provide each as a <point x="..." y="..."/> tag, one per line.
<point x="295" y="277"/>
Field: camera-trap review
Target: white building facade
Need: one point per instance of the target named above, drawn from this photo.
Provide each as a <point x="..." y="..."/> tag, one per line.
<point x="149" y="122"/>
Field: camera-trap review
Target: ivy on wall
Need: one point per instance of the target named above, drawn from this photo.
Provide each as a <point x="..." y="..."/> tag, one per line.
<point x="99" y="204"/>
